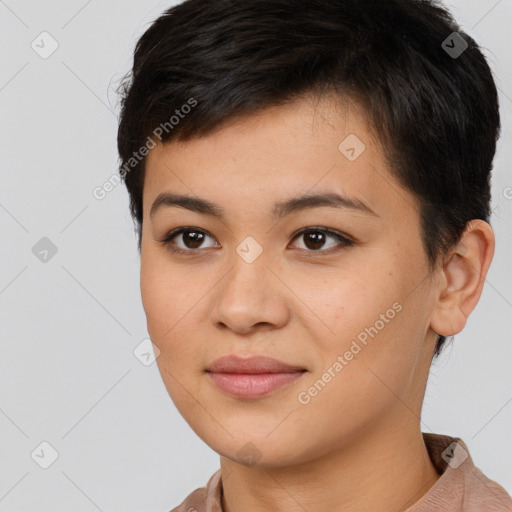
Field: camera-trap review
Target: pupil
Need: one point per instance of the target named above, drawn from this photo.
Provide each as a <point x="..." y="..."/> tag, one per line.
<point x="317" y="239"/>
<point x="193" y="238"/>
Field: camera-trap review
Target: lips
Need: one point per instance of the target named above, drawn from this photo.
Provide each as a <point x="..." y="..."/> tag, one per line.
<point x="254" y="377"/>
<point x="251" y="365"/>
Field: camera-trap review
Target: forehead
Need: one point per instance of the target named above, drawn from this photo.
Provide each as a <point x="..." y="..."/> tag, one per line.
<point x="308" y="146"/>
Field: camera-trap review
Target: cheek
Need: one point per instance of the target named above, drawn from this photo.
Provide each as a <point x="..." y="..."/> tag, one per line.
<point x="373" y="318"/>
<point x="167" y="295"/>
<point x="156" y="298"/>
<point x="168" y="309"/>
<point x="351" y="302"/>
<point x="173" y="300"/>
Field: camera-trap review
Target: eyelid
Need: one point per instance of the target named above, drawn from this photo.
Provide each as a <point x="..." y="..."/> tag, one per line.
<point x="329" y="231"/>
<point x="343" y="238"/>
<point x="166" y="240"/>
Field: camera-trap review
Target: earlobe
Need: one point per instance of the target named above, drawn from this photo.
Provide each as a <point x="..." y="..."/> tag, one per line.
<point x="463" y="277"/>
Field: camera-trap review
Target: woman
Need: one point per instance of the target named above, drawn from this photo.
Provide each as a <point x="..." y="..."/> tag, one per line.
<point x="310" y="184"/>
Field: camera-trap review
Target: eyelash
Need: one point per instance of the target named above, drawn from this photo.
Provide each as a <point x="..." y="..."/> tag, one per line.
<point x="171" y="246"/>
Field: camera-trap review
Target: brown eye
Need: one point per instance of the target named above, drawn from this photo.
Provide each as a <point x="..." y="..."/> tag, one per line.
<point x="189" y="240"/>
<point x="315" y="239"/>
<point x="193" y="239"/>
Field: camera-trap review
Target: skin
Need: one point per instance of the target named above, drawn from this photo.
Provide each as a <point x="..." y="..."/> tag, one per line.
<point x="303" y="303"/>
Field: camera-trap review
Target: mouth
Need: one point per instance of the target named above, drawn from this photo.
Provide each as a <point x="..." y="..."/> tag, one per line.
<point x="252" y="377"/>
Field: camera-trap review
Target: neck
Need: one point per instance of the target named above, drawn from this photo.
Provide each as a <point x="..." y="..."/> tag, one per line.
<point x="384" y="470"/>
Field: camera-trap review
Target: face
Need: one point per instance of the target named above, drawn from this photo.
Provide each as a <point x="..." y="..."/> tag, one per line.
<point x="339" y="290"/>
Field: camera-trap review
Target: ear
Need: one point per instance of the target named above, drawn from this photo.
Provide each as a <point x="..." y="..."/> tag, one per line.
<point x="462" y="278"/>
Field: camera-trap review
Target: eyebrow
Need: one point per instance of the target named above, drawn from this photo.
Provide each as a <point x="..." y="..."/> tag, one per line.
<point x="280" y="209"/>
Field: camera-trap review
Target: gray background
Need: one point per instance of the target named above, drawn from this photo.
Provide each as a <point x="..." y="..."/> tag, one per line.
<point x="69" y="326"/>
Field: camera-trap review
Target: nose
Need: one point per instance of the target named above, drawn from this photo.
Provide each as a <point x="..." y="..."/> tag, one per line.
<point x="251" y="296"/>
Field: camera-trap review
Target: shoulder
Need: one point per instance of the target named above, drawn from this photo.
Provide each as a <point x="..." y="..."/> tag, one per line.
<point x="462" y="486"/>
<point x="481" y="491"/>
<point x="203" y="499"/>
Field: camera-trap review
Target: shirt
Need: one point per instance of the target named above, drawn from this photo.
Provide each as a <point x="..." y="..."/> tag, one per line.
<point x="462" y="487"/>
